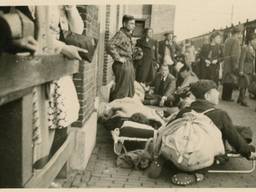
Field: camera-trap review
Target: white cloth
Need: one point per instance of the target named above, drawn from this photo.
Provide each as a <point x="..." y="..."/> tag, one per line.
<point x="63" y="104"/>
<point x="127" y="106"/>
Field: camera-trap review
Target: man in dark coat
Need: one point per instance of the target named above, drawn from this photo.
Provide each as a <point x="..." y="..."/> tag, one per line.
<point x="210" y="57"/>
<point x="146" y="67"/>
<point x="120" y="48"/>
<point x="246" y="68"/>
<point x="207" y="97"/>
<point x="164" y="87"/>
<point x="232" y="50"/>
<point x="167" y="52"/>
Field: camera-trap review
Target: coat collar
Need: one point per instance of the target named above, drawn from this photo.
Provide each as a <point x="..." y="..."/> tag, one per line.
<point x="124" y="30"/>
<point x="201" y="105"/>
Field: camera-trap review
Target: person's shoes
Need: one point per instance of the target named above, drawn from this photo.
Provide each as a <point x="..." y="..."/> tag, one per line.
<point x="230" y="100"/>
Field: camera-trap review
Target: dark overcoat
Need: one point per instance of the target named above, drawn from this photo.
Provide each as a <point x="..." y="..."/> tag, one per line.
<point x="232" y="51"/>
<point x="211" y="53"/>
<point x="246" y="65"/>
<point x="161" y="50"/>
<point x="146" y="67"/>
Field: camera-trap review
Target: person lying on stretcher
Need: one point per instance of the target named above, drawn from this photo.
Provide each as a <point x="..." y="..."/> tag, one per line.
<point x="238" y="137"/>
<point x="207" y="96"/>
<point x="119" y="110"/>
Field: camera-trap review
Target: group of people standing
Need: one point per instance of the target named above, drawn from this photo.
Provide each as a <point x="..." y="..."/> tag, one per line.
<point x="231" y="61"/>
<point x="153" y="62"/>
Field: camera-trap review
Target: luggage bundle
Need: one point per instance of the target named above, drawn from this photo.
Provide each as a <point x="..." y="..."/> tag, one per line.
<point x="191" y="142"/>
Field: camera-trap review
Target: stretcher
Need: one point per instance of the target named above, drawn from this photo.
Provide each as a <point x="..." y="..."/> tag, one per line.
<point x="234" y="155"/>
<point x="132" y="132"/>
<point x="141" y="133"/>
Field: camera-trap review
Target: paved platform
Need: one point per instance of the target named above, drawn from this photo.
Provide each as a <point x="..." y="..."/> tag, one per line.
<point x="102" y="172"/>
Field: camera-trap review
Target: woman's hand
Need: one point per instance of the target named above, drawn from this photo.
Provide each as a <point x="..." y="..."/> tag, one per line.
<point x="72" y="52"/>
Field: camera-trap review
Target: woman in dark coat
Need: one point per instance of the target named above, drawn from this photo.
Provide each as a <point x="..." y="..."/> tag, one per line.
<point x="232" y="51"/>
<point x="146" y="67"/>
<point x="210" y="57"/>
<point x="246" y="68"/>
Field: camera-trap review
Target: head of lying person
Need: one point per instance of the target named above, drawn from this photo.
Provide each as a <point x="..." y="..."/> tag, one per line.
<point x="105" y="112"/>
<point x="206" y="90"/>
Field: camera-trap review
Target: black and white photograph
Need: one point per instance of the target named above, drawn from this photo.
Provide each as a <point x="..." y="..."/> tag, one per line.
<point x="132" y="94"/>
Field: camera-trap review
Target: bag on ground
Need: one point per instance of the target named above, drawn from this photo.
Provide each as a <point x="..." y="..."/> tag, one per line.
<point x="192" y="142"/>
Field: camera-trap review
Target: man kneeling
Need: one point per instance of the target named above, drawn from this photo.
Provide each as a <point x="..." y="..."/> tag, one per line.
<point x="164" y="86"/>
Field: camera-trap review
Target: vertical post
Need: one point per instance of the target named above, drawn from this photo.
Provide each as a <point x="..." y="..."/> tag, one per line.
<point x="16" y="142"/>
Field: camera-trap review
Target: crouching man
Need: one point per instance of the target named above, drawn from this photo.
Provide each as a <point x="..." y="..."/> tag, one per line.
<point x="164" y="86"/>
<point x="207" y="97"/>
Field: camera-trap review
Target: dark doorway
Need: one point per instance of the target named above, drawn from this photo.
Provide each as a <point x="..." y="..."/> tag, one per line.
<point x="139" y="28"/>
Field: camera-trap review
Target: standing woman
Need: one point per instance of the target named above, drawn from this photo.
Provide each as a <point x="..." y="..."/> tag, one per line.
<point x="246" y="68"/>
<point x="232" y="51"/>
<point x="63" y="104"/>
<point x="210" y="57"/>
<point x="145" y="70"/>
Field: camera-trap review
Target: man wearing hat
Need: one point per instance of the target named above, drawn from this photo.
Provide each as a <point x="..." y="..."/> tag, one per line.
<point x="207" y="97"/>
<point x="167" y="52"/>
<point x="232" y="51"/>
<point x="246" y="67"/>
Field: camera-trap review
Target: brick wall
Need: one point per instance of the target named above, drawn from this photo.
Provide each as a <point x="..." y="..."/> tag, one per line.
<point x="87" y="80"/>
<point x="107" y="68"/>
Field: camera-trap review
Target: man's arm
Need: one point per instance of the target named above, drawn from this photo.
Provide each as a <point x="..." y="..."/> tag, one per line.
<point x="233" y="137"/>
<point x="171" y="88"/>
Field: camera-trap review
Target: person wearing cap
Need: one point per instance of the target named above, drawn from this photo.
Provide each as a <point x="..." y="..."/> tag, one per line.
<point x="167" y="52"/>
<point x="246" y="68"/>
<point x="211" y="56"/>
<point x="207" y="97"/>
<point x="145" y="67"/>
<point x="120" y="48"/>
<point x="232" y="51"/>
